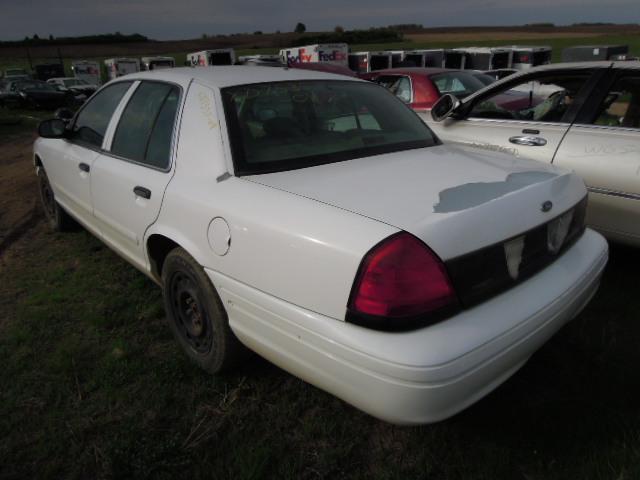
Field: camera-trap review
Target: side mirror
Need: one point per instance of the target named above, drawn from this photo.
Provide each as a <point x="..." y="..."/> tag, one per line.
<point x="53" y="128"/>
<point x="444" y="107"/>
<point x="63" y="114"/>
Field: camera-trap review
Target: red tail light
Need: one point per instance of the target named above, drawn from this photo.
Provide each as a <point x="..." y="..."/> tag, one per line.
<point x="401" y="278"/>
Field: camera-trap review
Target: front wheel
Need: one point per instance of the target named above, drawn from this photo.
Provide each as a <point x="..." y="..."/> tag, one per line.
<point x="196" y="315"/>
<point x="57" y="218"/>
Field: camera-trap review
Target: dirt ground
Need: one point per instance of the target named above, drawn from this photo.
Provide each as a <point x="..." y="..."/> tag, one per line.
<point x="19" y="207"/>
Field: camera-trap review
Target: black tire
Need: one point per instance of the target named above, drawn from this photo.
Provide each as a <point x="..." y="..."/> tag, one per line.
<point x="56" y="217"/>
<point x="196" y="315"/>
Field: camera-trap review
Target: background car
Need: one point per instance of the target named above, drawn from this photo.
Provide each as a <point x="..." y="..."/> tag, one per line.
<point x="589" y="121"/>
<point x="74" y="85"/>
<point x="328" y="230"/>
<point x="35" y="94"/>
<point x="420" y="88"/>
<point x="16" y="74"/>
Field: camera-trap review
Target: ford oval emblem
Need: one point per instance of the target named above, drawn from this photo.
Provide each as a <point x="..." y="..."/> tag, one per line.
<point x="546" y="206"/>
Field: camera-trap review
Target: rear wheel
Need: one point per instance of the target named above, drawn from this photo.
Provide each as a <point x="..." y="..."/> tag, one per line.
<point x="196" y="315"/>
<point x="57" y="218"/>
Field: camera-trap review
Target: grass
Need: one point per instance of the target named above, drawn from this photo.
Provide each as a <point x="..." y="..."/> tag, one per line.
<point x="94" y="386"/>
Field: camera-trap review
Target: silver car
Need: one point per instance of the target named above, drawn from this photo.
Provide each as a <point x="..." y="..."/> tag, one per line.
<point x="582" y="116"/>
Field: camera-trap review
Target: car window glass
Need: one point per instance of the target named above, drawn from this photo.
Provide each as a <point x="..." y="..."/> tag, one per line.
<point x="145" y="117"/>
<point x="400" y="86"/>
<point x="545" y="99"/>
<point x="402" y="89"/>
<point x="92" y="121"/>
<point x="621" y="106"/>
<point x="159" y="148"/>
<point x="460" y="84"/>
<point x="293" y="124"/>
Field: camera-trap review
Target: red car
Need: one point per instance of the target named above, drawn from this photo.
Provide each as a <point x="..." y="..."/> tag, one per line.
<point x="419" y="88"/>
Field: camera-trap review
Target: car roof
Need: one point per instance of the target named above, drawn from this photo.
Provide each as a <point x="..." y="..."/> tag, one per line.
<point x="228" y="76"/>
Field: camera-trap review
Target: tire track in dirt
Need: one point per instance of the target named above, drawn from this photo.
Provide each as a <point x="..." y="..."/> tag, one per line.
<point x="19" y="208"/>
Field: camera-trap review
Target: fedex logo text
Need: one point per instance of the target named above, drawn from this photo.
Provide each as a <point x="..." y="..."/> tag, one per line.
<point x="333" y="56"/>
<point x="302" y="57"/>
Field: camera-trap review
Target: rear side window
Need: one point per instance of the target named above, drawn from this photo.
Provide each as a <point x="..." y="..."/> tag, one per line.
<point x="92" y="121"/>
<point x="400" y="86"/>
<point x="146" y="126"/>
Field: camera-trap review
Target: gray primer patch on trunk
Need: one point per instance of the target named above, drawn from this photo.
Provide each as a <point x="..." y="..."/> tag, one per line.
<point x="471" y="195"/>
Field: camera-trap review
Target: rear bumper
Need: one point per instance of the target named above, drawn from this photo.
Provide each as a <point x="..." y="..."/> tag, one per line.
<point x="425" y="375"/>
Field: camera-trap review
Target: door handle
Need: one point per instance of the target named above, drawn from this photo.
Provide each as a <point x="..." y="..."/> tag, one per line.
<point x="142" y="192"/>
<point x="84" y="167"/>
<point x="528" y="140"/>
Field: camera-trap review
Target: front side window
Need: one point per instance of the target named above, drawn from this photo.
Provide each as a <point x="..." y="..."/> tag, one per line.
<point x="543" y="99"/>
<point x="145" y="129"/>
<point x="92" y="121"/>
<point x="621" y="106"/>
<point x="287" y="125"/>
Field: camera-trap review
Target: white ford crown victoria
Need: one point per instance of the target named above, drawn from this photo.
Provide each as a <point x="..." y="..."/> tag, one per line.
<point x="316" y="220"/>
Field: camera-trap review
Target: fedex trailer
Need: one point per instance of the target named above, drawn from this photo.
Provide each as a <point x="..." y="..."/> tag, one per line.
<point x="335" y="53"/>
<point x="87" y="71"/>
<point x="157" y="63"/>
<point x="261" y="59"/>
<point x="362" y="62"/>
<point x="117" y="67"/>
<point x="207" y="58"/>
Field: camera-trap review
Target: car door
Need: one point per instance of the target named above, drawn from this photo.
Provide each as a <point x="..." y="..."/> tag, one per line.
<point x="130" y="176"/>
<point x="527" y="117"/>
<point x="603" y="147"/>
<point x="69" y="166"/>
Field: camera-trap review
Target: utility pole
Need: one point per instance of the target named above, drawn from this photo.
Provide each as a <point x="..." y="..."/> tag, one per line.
<point x="29" y="58"/>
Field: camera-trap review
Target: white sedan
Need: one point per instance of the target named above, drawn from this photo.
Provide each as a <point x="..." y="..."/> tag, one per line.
<point x="316" y="220"/>
<point x="580" y="116"/>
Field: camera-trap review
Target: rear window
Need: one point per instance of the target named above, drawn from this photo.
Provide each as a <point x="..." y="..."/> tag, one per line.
<point x="288" y="125"/>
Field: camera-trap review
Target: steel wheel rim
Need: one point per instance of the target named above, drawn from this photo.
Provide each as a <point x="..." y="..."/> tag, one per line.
<point x="189" y="315"/>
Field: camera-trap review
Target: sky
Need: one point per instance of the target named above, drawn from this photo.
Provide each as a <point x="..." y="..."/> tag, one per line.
<point x="183" y="19"/>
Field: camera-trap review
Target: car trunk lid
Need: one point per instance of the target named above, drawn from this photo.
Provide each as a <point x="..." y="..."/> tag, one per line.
<point x="456" y="199"/>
